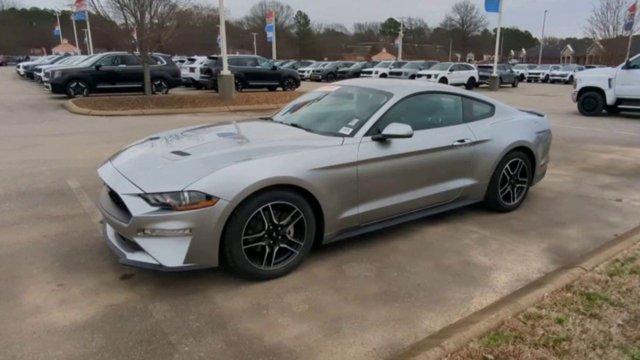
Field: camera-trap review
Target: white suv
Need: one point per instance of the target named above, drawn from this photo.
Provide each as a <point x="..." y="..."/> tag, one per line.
<point x="542" y="72"/>
<point x="381" y="70"/>
<point x="566" y="74"/>
<point x="190" y="71"/>
<point x="452" y="74"/>
<point x="522" y="70"/>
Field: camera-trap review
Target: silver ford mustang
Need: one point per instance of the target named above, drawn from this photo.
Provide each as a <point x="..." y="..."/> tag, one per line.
<point x="346" y="159"/>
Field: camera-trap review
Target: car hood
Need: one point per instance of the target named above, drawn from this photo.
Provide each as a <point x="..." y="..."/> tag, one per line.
<point x="598" y="72"/>
<point x="172" y="160"/>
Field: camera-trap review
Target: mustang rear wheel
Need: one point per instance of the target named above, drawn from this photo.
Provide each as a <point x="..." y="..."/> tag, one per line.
<point x="510" y="183"/>
<point x="269" y="235"/>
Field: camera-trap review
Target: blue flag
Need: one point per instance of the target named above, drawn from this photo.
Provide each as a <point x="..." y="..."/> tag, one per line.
<point x="492" y="5"/>
<point x="80" y="16"/>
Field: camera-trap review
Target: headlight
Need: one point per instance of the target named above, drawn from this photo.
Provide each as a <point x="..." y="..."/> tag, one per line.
<point x="57" y="74"/>
<point x="180" y="200"/>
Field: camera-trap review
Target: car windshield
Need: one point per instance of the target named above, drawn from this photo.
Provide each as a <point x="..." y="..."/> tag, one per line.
<point x="384" y="64"/>
<point x="333" y="110"/>
<point x="441" y="66"/>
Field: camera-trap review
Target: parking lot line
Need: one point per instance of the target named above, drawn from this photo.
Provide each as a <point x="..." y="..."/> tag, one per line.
<point x="87" y="205"/>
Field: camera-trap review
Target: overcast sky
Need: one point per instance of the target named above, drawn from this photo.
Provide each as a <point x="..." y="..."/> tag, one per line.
<point x="566" y="17"/>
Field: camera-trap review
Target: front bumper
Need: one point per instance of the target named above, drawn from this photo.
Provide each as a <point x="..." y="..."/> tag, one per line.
<point x="316" y="77"/>
<point x="126" y="214"/>
<point x="559" y="77"/>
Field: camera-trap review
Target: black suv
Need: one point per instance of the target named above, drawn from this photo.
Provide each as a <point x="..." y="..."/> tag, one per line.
<point x="329" y="72"/>
<point x="114" y="72"/>
<point x="250" y="72"/>
<point x="354" y="70"/>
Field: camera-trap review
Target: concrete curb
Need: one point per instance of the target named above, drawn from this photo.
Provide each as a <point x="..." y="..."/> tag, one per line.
<point x="454" y="336"/>
<point x="70" y="106"/>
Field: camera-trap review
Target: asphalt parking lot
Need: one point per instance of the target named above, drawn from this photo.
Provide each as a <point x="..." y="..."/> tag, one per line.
<point x="64" y="295"/>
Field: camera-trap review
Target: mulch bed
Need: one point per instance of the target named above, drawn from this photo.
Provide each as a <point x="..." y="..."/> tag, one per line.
<point x="183" y="101"/>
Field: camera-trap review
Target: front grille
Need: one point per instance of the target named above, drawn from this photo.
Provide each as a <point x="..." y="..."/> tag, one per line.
<point x="117" y="200"/>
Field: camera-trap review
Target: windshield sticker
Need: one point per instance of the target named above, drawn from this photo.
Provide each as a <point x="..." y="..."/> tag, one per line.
<point x="346" y="130"/>
<point x="353" y="122"/>
<point x="329" y="88"/>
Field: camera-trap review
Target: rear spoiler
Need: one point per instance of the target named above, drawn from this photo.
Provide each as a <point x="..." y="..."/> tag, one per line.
<point x="532" y="112"/>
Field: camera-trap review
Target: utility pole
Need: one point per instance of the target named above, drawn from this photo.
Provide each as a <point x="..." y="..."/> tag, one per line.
<point x="450" y="48"/>
<point x="401" y="39"/>
<point x="226" y="81"/>
<point x="544" y="23"/>
<point x="89" y="32"/>
<point x="273" y="43"/>
<point x="255" y="47"/>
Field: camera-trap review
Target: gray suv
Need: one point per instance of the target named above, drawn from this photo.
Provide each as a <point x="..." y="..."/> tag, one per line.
<point x="329" y="72"/>
<point x="410" y="69"/>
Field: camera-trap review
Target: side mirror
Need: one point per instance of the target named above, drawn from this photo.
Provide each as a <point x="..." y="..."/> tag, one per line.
<point x="394" y="131"/>
<point x="274" y="67"/>
<point x="98" y="67"/>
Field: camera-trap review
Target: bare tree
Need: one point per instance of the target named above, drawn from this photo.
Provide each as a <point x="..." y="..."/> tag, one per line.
<point x="152" y="21"/>
<point x="8" y="4"/>
<point x="465" y="20"/>
<point x="606" y="20"/>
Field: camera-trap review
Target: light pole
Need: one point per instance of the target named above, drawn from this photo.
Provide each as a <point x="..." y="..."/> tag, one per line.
<point x="400" y="39"/>
<point x="494" y="80"/>
<point x="59" y="26"/>
<point x="544" y="22"/>
<point x="255" y="47"/>
<point x="226" y="83"/>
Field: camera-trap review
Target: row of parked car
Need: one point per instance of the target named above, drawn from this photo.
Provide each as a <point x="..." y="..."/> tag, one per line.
<point x="548" y="73"/>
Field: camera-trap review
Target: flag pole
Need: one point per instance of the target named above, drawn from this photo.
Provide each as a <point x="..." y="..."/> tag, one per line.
<point x="59" y="26"/>
<point x="89" y="32"/>
<point x="75" y="32"/>
<point x="631" y="33"/>
<point x="273" y="43"/>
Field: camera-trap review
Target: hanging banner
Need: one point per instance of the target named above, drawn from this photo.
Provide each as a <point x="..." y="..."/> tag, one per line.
<point x="56" y="29"/>
<point x="270" y="28"/>
<point x="630" y="19"/>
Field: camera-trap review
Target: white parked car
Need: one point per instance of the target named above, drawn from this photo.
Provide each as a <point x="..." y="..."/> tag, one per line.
<point x="608" y="88"/>
<point x="566" y="74"/>
<point x="305" y="72"/>
<point x="190" y="71"/>
<point x="542" y="72"/>
<point x="451" y="73"/>
<point x="522" y="70"/>
<point x="382" y="69"/>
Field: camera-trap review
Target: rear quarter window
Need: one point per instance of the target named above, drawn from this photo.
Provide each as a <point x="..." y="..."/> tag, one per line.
<point x="475" y="110"/>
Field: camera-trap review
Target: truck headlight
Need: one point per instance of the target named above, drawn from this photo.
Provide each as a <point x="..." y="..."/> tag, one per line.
<point x="180" y="200"/>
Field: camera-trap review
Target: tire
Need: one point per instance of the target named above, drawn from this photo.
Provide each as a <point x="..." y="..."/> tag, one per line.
<point x="383" y="76"/>
<point x="570" y="81"/>
<point x="471" y="84"/>
<point x="522" y="77"/>
<point x="412" y="77"/>
<point x="159" y="86"/>
<point x="289" y="84"/>
<point x="591" y="103"/>
<point x="515" y="82"/>
<point x="76" y="88"/>
<point x="331" y="77"/>
<point x="238" y="84"/>
<point x="546" y="79"/>
<point x="251" y="235"/>
<point x="510" y="183"/>
<point x="443" y="81"/>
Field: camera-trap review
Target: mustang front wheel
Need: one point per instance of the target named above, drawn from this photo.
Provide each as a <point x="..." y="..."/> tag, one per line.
<point x="269" y="235"/>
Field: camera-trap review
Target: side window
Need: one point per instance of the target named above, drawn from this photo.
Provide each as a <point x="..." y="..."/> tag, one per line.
<point x="129" y="60"/>
<point x="469" y="67"/>
<point x="634" y="64"/>
<point x="264" y="63"/>
<point x="108" y="61"/>
<point x="236" y="61"/>
<point x="425" y="111"/>
<point x="477" y="110"/>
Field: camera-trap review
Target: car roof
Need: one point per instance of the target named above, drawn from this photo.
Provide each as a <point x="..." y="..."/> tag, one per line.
<point x="400" y="87"/>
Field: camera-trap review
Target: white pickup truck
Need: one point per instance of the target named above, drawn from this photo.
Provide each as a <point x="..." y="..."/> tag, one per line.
<point x="608" y="89"/>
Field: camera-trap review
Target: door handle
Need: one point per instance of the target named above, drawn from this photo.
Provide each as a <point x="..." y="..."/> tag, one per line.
<point x="462" y="142"/>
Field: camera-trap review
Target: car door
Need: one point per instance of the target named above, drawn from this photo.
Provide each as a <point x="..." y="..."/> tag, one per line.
<point x="457" y="74"/>
<point x="130" y="72"/>
<point x="105" y="74"/>
<point x="627" y="81"/>
<point x="246" y="66"/>
<point x="267" y="75"/>
<point x="433" y="167"/>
